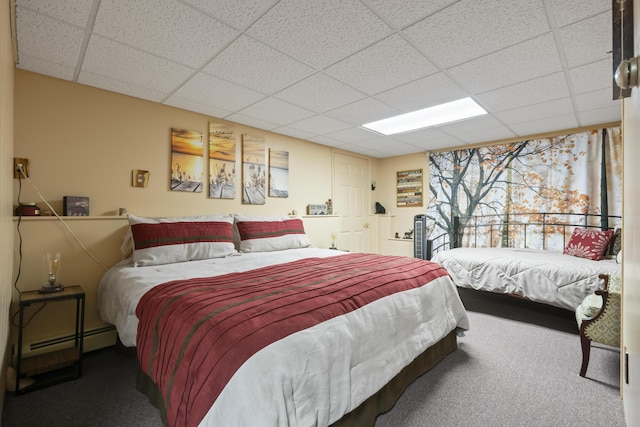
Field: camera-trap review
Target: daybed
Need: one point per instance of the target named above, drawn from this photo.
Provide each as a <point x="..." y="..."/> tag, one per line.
<point x="562" y="277"/>
<point x="275" y="332"/>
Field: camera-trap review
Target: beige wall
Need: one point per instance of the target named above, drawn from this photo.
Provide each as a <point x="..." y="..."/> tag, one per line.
<point x="385" y="192"/>
<point x="631" y="245"/>
<point x="6" y="182"/>
<point x="83" y="141"/>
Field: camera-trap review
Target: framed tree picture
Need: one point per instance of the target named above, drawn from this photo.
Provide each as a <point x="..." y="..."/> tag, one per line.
<point x="409" y="188"/>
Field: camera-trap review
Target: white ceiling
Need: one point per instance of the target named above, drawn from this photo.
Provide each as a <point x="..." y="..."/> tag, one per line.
<point x="318" y="69"/>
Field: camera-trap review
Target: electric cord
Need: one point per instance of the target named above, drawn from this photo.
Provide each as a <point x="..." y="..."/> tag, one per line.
<point x="95" y="259"/>
<point x="20" y="255"/>
<point x="15" y="283"/>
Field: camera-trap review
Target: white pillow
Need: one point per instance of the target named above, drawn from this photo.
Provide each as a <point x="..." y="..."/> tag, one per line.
<point x="177" y="239"/>
<point x="619" y="257"/>
<point x="266" y="234"/>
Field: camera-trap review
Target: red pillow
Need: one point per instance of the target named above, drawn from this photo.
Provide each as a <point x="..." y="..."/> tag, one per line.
<point x="588" y="243"/>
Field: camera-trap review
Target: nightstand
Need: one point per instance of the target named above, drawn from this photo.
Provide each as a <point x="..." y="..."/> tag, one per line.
<point x="55" y="366"/>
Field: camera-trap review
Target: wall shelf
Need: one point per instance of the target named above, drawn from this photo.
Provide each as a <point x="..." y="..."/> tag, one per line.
<point x="73" y="218"/>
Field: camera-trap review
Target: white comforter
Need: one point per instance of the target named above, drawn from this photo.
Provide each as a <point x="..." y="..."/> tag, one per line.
<point x="543" y="276"/>
<point x="313" y="377"/>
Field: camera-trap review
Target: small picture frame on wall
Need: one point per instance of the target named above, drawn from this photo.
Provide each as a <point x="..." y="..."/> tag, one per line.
<point x="75" y="206"/>
<point x="409" y="188"/>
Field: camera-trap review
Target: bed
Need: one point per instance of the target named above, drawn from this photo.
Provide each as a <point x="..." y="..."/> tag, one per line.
<point x="361" y="326"/>
<point x="548" y="258"/>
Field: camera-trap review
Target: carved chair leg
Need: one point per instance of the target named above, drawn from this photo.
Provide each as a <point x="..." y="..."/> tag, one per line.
<point x="586" y="352"/>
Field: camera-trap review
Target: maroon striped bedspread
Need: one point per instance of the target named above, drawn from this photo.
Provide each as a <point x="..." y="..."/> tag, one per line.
<point x="194" y="334"/>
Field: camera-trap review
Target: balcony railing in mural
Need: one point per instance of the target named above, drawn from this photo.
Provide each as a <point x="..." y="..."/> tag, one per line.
<point x="540" y="230"/>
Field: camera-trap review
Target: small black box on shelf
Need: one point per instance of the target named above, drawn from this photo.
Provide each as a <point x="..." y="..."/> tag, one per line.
<point x="75" y="206"/>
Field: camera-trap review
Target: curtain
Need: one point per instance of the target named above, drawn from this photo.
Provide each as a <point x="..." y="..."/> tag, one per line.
<point x="558" y="174"/>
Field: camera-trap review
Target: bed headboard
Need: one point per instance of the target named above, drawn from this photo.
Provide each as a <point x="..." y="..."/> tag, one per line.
<point x="543" y="230"/>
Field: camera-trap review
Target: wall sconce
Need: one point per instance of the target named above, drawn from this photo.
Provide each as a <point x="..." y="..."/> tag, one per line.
<point x="373" y="185"/>
<point x="626" y="75"/>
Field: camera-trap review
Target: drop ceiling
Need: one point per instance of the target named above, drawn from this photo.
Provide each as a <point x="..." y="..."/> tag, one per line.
<point x="319" y="69"/>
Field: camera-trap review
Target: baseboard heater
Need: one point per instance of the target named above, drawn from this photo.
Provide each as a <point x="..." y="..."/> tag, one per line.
<point x="94" y="339"/>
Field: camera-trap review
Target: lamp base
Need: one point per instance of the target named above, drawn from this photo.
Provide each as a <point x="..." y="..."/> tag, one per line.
<point x="47" y="289"/>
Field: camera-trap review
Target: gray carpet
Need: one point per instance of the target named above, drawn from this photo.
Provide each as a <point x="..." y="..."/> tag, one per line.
<point x="517" y="366"/>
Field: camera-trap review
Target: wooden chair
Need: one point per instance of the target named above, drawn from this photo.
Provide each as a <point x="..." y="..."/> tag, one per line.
<point x="599" y="317"/>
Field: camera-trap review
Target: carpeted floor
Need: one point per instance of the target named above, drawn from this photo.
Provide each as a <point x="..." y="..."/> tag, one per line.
<point x="517" y="366"/>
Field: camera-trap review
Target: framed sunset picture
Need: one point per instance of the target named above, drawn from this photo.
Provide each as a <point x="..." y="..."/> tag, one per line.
<point x="187" y="159"/>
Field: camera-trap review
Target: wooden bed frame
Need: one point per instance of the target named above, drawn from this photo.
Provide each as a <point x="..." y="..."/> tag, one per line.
<point x="501" y="225"/>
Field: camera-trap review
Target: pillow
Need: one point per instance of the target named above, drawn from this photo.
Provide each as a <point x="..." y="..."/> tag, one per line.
<point x="616" y="243"/>
<point x="619" y="257"/>
<point x="270" y="234"/>
<point x="168" y="240"/>
<point x="588" y="243"/>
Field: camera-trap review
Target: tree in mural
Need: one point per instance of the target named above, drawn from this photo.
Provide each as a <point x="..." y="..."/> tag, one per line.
<point x="503" y="179"/>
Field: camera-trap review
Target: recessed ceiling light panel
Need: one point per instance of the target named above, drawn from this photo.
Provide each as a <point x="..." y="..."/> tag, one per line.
<point x="461" y="109"/>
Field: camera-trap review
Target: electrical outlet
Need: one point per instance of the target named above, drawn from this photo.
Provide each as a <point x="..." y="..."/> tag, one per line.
<point x="16" y="169"/>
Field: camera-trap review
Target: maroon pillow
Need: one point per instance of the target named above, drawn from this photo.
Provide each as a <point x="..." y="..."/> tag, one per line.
<point x="588" y="243"/>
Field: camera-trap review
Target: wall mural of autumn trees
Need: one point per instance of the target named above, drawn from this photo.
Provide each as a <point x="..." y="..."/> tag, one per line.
<point x="557" y="174"/>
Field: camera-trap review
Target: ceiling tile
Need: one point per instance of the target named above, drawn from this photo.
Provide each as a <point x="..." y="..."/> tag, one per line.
<point x="587" y="41"/>
<point x="185" y="104"/>
<point x="326" y="31"/>
<point x="165" y="28"/>
<point x="387" y="146"/>
<point x="427" y="138"/>
<point x="320" y="93"/>
<point x="364" y="111"/>
<point x="213" y="91"/>
<point x="483" y="135"/>
<point x="293" y="132"/>
<point x="276" y="111"/>
<point x="45" y="67"/>
<point x="47" y="38"/>
<point x="553" y="108"/>
<point x="463" y="127"/>
<point x="427" y="92"/>
<point x="601" y="115"/>
<point x="470" y="29"/>
<point x="532" y="92"/>
<point x="366" y="72"/>
<point x="592" y="76"/>
<point x="119" y="62"/>
<point x="509" y="66"/>
<point x="236" y="13"/>
<point x="404" y="12"/>
<point x="546" y="125"/>
<point x="570" y="11"/>
<point x="251" y="121"/>
<point x="257" y="66"/>
<point x="74" y="12"/>
<point x="352" y="135"/>
<point x="120" y="86"/>
<point x="320" y="125"/>
<point x="596" y="99"/>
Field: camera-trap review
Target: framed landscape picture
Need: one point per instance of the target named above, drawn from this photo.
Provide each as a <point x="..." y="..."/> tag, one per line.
<point x="187" y="158"/>
<point x="222" y="161"/>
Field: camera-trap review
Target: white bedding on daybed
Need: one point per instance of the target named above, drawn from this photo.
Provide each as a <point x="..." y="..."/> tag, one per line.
<point x="544" y="276"/>
<point x="315" y="376"/>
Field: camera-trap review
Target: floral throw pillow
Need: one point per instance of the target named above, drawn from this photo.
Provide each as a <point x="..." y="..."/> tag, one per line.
<point x="587" y="243"/>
